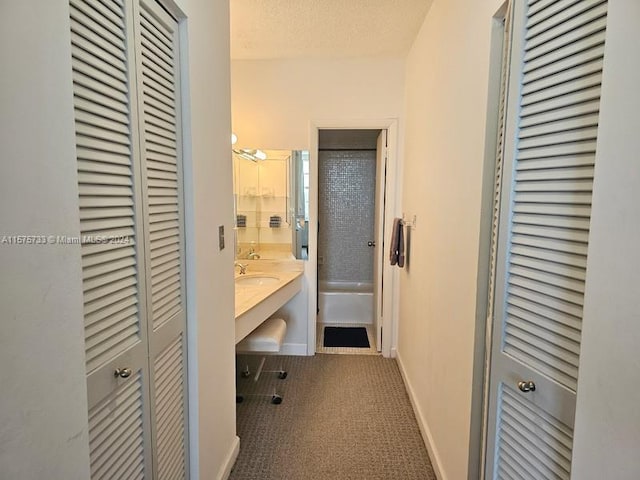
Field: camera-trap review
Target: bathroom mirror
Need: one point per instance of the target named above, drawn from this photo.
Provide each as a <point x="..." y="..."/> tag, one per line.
<point x="271" y="200"/>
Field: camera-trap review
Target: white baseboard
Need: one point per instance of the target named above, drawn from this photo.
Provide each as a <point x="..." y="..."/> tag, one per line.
<point x="422" y="424"/>
<point x="299" y="349"/>
<point x="225" y="469"/>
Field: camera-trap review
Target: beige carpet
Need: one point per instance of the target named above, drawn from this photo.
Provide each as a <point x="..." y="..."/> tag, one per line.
<point x="343" y="417"/>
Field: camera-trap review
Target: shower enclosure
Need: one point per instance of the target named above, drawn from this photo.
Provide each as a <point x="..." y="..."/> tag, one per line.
<point x="346" y="231"/>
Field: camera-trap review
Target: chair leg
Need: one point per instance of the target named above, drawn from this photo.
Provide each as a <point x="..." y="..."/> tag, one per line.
<point x="276" y="398"/>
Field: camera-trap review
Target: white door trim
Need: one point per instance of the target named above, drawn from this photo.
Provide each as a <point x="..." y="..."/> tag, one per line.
<point x="390" y="275"/>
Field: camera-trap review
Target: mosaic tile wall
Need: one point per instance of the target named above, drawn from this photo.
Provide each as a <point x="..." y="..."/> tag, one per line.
<point x="346" y="214"/>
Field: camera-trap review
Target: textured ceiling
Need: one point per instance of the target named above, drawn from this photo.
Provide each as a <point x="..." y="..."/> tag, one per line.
<point x="269" y="29"/>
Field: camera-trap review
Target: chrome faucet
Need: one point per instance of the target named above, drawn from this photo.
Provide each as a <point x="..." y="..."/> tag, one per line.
<point x="253" y="255"/>
<point x="243" y="267"/>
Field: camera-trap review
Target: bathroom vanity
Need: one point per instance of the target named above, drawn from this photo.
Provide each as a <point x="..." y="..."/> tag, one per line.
<point x="266" y="286"/>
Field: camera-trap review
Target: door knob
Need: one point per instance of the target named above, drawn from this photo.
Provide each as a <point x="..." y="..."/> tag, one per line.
<point x="528" y="386"/>
<point x="371" y="244"/>
<point x="122" y="372"/>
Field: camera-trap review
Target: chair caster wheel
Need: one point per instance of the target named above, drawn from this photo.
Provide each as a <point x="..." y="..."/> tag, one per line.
<point x="239" y="398"/>
<point x="276" y="399"/>
<point x="282" y="375"/>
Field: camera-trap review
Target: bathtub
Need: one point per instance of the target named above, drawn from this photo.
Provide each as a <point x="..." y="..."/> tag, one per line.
<point x="345" y="302"/>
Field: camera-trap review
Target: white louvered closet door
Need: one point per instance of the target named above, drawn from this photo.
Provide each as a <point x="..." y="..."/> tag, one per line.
<point x="113" y="282"/>
<point x="549" y="149"/>
<point x="126" y="90"/>
<point x="160" y="144"/>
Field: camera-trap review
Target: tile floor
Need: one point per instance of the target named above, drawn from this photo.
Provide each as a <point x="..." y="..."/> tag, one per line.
<point x="320" y="348"/>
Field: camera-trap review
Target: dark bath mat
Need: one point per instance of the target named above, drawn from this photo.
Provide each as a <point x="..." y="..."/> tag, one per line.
<point x="346" y="337"/>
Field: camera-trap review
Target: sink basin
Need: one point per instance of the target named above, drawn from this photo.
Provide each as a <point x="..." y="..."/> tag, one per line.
<point x="257" y="280"/>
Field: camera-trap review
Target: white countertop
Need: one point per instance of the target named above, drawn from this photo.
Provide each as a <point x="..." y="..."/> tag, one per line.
<point x="255" y="303"/>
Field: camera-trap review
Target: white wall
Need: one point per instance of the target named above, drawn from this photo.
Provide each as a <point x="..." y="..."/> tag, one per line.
<point x="43" y="404"/>
<point x="607" y="430"/>
<point x="274" y="101"/>
<point x="43" y="409"/>
<point x="446" y="106"/>
<point x="211" y="315"/>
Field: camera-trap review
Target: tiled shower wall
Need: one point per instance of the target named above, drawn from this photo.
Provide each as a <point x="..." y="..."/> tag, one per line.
<point x="346" y="206"/>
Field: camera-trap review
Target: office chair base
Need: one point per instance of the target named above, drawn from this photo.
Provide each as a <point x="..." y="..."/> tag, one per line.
<point x="275" y="398"/>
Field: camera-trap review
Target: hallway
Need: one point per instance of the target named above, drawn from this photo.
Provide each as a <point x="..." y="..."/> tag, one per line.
<point x="343" y="417"/>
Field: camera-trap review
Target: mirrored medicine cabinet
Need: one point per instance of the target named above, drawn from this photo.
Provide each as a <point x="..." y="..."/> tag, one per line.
<point x="271" y="202"/>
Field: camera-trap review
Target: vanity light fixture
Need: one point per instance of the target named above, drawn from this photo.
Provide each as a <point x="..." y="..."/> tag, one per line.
<point x="250" y="154"/>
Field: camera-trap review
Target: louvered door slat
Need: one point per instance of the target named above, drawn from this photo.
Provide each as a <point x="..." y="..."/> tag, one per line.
<point x="105" y="157"/>
<point x="92" y="296"/>
<point x="109" y="168"/>
<point x="156" y="34"/>
<point x="547" y="277"/>
<point x="544" y="9"/>
<point x="558" y="137"/>
<point x="512" y="455"/>
<point x="94" y="37"/>
<point x="568" y="125"/>
<point x="94" y="252"/>
<point x="561" y="17"/>
<point x="506" y="472"/>
<point x="568" y="337"/>
<point x="535" y="463"/>
<point x="543" y="264"/>
<point x="575" y="35"/>
<point x="95" y="18"/>
<point x="591" y="56"/>
<point x="570" y="54"/>
<point x="112" y="424"/>
<point x="552" y="221"/>
<point x="159" y="109"/>
<point x="547" y="452"/>
<point x="101" y="119"/>
<point x="168" y="133"/>
<point x="159" y="68"/>
<point x="169" y="398"/>
<point x="583" y="18"/>
<point x="160" y="121"/>
<point x="570" y="183"/>
<point x="157" y="56"/>
<point x="546" y="357"/>
<point x="100" y="83"/>
<point x="539" y="442"/>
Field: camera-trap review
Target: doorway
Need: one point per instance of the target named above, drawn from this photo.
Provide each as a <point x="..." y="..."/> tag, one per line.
<point x="351" y="187"/>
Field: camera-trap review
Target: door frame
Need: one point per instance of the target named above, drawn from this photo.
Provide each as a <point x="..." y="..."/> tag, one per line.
<point x="484" y="326"/>
<point x="390" y="275"/>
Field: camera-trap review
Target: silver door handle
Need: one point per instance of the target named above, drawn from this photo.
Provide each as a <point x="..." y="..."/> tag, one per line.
<point x="371" y="244"/>
<point x="528" y="386"/>
<point x="122" y="372"/>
